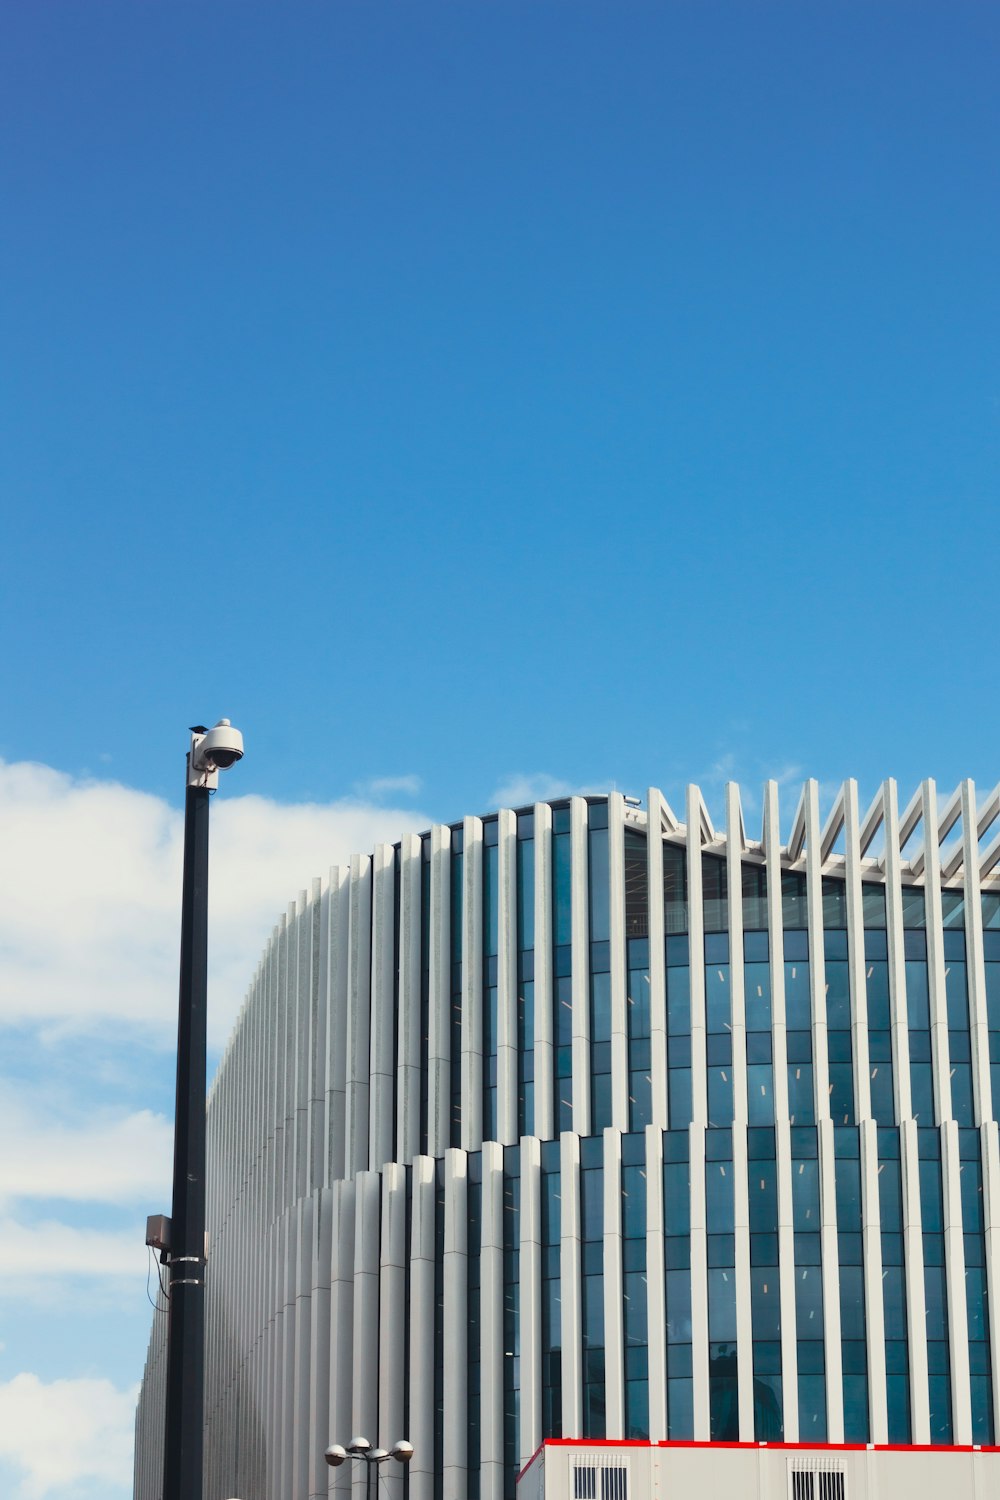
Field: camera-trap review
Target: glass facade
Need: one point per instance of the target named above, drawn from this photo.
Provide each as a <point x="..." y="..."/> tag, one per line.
<point x="769" y="1204"/>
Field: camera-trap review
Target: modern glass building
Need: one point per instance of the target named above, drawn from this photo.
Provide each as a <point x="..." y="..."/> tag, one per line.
<point x="583" y="1121"/>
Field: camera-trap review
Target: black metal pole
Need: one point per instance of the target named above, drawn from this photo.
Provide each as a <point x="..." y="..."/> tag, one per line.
<point x="185" y="1405"/>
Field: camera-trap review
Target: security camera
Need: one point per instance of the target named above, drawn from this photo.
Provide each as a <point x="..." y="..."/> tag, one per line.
<point x="212" y="751"/>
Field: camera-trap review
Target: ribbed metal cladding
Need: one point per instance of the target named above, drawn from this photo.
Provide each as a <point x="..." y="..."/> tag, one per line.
<point x="374" y="1262"/>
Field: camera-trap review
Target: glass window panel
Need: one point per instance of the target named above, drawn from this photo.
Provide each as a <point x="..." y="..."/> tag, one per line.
<point x="798" y="1007"/>
<point x="841" y="1093"/>
<point x="956" y="994"/>
<point x="935" y="1303"/>
<point x="561" y="891"/>
<point x="838" y="996"/>
<point x="722" y="1304"/>
<point x="805" y="1195"/>
<point x="674" y="888"/>
<point x="680" y="1408"/>
<point x="634" y="1295"/>
<point x="894" y="1301"/>
<point x="637" y="1409"/>
<point x="718" y="1004"/>
<point x="852" y="1302"/>
<point x="719" y="1197"/>
<point x="975" y="1298"/>
<point x="809" y="1302"/>
<point x="835" y="945"/>
<point x="848" y="1180"/>
<point x="939" y="1391"/>
<point x="801" y="1107"/>
<point x="971" y="1183"/>
<point x="917" y="997"/>
<point x="982" y="1409"/>
<point x="526" y="893"/>
<point x="593" y="1312"/>
<point x="724" y="1423"/>
<point x="767" y="1409"/>
<point x="877" y="995"/>
<point x="754" y="897"/>
<point x="961" y="1093"/>
<point x="856" y="1408"/>
<point x="600" y="907"/>
<point x="678" y="1001"/>
<point x="883" y="1105"/>
<point x="812" y="1408"/>
<point x="678" y="1307"/>
<point x="760" y="1094"/>
<point x="763" y="1197"/>
<point x="765" y="1302"/>
<point x="638" y="1003"/>
<point x="759" y="1046"/>
<point x="720" y="1096"/>
<point x="793" y="899"/>
<point x="873" y="904"/>
<point x="757" y="983"/>
<point x="930" y="1196"/>
<point x="922" y="1092"/>
<point x="679" y="1086"/>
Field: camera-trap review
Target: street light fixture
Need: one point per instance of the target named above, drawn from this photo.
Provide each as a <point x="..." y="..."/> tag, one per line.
<point x="361" y="1448"/>
<point x="182" y="1239"/>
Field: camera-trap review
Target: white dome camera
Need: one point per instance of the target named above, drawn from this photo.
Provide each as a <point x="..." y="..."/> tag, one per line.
<point x="212" y="751"/>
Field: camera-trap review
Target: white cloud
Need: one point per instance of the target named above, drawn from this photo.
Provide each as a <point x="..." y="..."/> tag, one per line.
<point x="64" y="1437"/>
<point x="520" y="789"/>
<point x="383" y="786"/>
<point x="90" y="893"/>
<point x="34" y="1254"/>
<point x="113" y="1158"/>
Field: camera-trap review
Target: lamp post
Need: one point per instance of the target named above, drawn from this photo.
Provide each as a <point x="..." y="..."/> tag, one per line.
<point x="212" y="751"/>
<point x="361" y="1448"/>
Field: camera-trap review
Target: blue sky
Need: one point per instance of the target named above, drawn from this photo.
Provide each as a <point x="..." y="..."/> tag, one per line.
<point x="467" y="400"/>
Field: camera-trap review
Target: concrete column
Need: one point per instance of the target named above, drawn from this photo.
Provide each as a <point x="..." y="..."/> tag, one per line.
<point x="358" y="1015"/>
<point x="954" y="1261"/>
<point x="472" y="985"/>
<point x="619" y="962"/>
<point x="916" y="1325"/>
<point x="507" y="1055"/>
<point x="409" y="1019"/>
<point x="655" y="1286"/>
<point x="699" y="1286"/>
<point x="831" y="1283"/>
<point x="421" y="1312"/>
<point x="392" y="1324"/>
<point x="657" y="967"/>
<point x="456" y="1326"/>
<point x="531" y="1298"/>
<point x="696" y="939"/>
<point x="580" y="934"/>
<point x="871" y="1232"/>
<point x="439" y="999"/>
<point x="614" y="1342"/>
<point x="544" y="1058"/>
<point x="382" y="1082"/>
<point x="491" y="1327"/>
<point x="569" y="1274"/>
